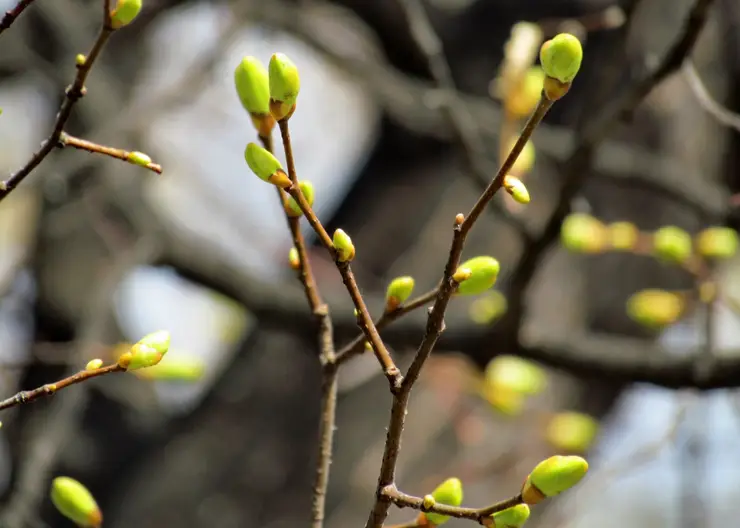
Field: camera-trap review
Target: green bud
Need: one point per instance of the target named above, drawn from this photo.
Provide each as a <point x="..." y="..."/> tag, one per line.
<point x="487" y="308"/>
<point x="717" y="243"/>
<point x="266" y="166"/>
<point x="124" y="13"/>
<point x="572" y="431"/>
<point x="553" y="476"/>
<point x="399" y="290"/>
<point x="449" y="493"/>
<point x="253" y="86"/>
<point x="515" y="374"/>
<point x="148" y="352"/>
<point x="294" y="259"/>
<point x="516" y="188"/>
<point x="582" y="233"/>
<point x="513" y="517"/>
<point x="75" y="502"/>
<point x="139" y="158"/>
<point x="285" y="83"/>
<point x="174" y="369"/>
<point x="655" y="308"/>
<point x="428" y="501"/>
<point x="484" y="272"/>
<point x="343" y="245"/>
<point x="80" y="59"/>
<point x="561" y="57"/>
<point x="291" y="206"/>
<point x="623" y="235"/>
<point x="672" y="244"/>
<point x="94" y="364"/>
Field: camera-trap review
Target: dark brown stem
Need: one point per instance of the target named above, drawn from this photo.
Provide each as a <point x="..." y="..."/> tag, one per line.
<point x="357" y="345"/>
<point x="73" y="94"/>
<point x="11" y="14"/>
<point x="403" y="500"/>
<point x="65" y="140"/>
<point x="49" y="389"/>
<point x="329" y="385"/>
<point x="364" y="318"/>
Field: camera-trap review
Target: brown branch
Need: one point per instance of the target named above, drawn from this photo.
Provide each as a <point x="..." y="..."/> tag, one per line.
<point x="11" y="14"/>
<point x="705" y="99"/>
<point x="71" y="96"/>
<point x="576" y="167"/>
<point x="65" y="140"/>
<point x="50" y="389"/>
<point x="330" y="380"/>
<point x="403" y="500"/>
<point x="364" y="318"/>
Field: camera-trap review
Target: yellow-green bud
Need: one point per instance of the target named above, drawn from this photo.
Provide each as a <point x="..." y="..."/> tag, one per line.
<point x="291" y="206"/>
<point x="285" y="83"/>
<point x="449" y="493"/>
<point x="553" y="476"/>
<point x="516" y="188"/>
<point x="717" y="243"/>
<point x="75" y="502"/>
<point x="582" y="233"/>
<point x="344" y="246"/>
<point x="655" y="308"/>
<point x="623" y="235"/>
<point x="561" y="57"/>
<point x="515" y="374"/>
<point x="266" y="166"/>
<point x="488" y="308"/>
<point x="572" y="431"/>
<point x="504" y="400"/>
<point x="124" y="13"/>
<point x="174" y="369"/>
<point x="461" y="275"/>
<point x="294" y="259"/>
<point x="513" y="517"/>
<point x="80" y="59"/>
<point x="139" y="158"/>
<point x="253" y="86"/>
<point x="148" y="352"/>
<point x="94" y="364"/>
<point x="428" y="501"/>
<point x="523" y="102"/>
<point x="672" y="244"/>
<point x="399" y="290"/>
<point x="525" y="161"/>
<point x="484" y="272"/>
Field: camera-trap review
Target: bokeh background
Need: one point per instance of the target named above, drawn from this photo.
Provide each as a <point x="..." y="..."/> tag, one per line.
<point x="95" y="252"/>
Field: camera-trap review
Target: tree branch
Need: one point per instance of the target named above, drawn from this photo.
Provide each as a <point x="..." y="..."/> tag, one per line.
<point x="65" y="140"/>
<point x="705" y="99"/>
<point x="11" y="14"/>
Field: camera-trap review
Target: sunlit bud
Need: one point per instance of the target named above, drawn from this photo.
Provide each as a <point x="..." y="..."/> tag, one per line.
<point x="513" y="517"/>
<point x="516" y="189"/>
<point x="672" y="244"/>
<point x="344" y="246"/>
<point x="139" y="158"/>
<point x="553" y="476"/>
<point x="449" y="493"/>
<point x="285" y="83"/>
<point x="655" y="308"/>
<point x="266" y="166"/>
<point x="582" y="233"/>
<point x="561" y="57"/>
<point x="399" y="290"/>
<point x="124" y="13"/>
<point x="623" y="236"/>
<point x="75" y="502"/>
<point x="294" y="259"/>
<point x="484" y="272"/>
<point x="717" y="243"/>
<point x="147" y="352"/>
<point x="94" y="364"/>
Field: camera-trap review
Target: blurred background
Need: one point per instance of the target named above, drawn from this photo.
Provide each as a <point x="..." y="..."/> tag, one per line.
<point x="96" y="252"/>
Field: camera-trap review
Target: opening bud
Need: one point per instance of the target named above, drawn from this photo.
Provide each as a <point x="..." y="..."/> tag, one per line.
<point x="515" y="374"/>
<point x="561" y="57"/>
<point x="148" y="352"/>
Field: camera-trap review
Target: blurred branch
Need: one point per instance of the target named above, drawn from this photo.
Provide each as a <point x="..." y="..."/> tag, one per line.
<point x="72" y="95"/>
<point x="705" y="99"/>
<point x="13" y="13"/>
<point x="412" y="103"/>
<point x="595" y="130"/>
<point x="65" y="140"/>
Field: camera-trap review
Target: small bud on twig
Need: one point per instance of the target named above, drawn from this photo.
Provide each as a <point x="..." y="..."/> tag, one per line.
<point x="623" y="236"/>
<point x="561" y="57"/>
<point x="266" y="166"/>
<point x="516" y="188"/>
<point x="285" y="83"/>
<point x="253" y="88"/>
<point x="672" y="244"/>
<point x="449" y="493"/>
<point x="553" y="476"/>
<point x="291" y="206"/>
<point x="717" y="243"/>
<point x="294" y="259"/>
<point x="484" y="272"/>
<point x="94" y="364"/>
<point x="582" y="233"/>
<point x="343" y="245"/>
<point x="147" y="352"/>
<point x="75" y="502"/>
<point x="138" y="158"/>
<point x="399" y="290"/>
<point x="513" y="517"/>
<point x="124" y="13"/>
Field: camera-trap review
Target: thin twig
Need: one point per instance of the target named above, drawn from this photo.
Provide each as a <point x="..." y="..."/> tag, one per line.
<point x="365" y="320"/>
<point x="52" y="388"/>
<point x="11" y="14"/>
<point x="404" y="500"/>
<point x="330" y="379"/>
<point x="65" y="140"/>
<point x="72" y="94"/>
<point x="357" y="345"/>
<point x="576" y="167"/>
<point x="705" y="99"/>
